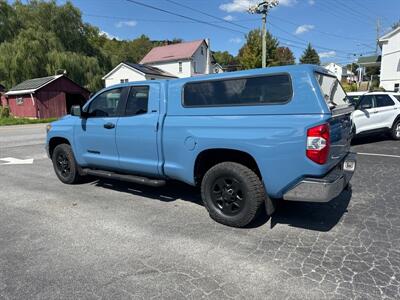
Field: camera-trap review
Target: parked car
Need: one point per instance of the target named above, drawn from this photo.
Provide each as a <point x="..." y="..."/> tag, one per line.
<point x="378" y="112"/>
<point x="245" y="138"/>
<point x="354" y="97"/>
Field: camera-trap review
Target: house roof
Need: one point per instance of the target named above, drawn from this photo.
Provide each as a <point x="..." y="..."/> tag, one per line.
<point x="142" y="69"/>
<point x="149" y="70"/>
<point x="31" y="85"/>
<point x="388" y="35"/>
<point x="369" y="61"/>
<point x="172" y="52"/>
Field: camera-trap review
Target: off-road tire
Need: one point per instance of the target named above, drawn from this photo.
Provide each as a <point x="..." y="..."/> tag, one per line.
<point x="253" y="193"/>
<point x="62" y="155"/>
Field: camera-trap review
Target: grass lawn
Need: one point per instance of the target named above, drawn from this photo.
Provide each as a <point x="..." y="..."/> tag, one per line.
<point x="20" y="121"/>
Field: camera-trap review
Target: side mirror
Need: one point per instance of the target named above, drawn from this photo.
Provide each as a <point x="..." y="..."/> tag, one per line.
<point x="76" y="111"/>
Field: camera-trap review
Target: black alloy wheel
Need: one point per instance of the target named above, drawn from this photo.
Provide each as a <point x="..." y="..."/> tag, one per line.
<point x="227" y="195"/>
<point x="233" y="194"/>
<point x="63" y="164"/>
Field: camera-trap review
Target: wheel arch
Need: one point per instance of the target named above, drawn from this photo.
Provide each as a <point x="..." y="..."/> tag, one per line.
<point x="55" y="141"/>
<point x="210" y="157"/>
<point x="396" y="120"/>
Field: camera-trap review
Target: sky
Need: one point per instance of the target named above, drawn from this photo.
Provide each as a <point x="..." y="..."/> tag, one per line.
<point x="340" y="30"/>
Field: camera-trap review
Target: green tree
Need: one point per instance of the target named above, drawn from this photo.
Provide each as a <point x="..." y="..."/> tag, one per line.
<point x="224" y="58"/>
<point x="352" y="67"/>
<point x="82" y="69"/>
<point x="250" y="54"/>
<point x="283" y="56"/>
<point x="26" y="56"/>
<point x="310" y="56"/>
<point x="8" y="22"/>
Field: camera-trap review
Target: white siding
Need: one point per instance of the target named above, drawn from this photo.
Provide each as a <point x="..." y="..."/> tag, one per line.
<point x="201" y="61"/>
<point x="173" y="68"/>
<point x="188" y="66"/>
<point x="123" y="73"/>
<point x="336" y="69"/>
<point x="390" y="66"/>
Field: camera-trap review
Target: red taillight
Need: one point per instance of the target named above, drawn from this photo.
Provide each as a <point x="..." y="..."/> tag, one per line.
<point x="318" y="142"/>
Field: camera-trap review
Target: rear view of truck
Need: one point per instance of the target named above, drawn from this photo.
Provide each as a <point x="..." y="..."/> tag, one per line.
<point x="328" y="145"/>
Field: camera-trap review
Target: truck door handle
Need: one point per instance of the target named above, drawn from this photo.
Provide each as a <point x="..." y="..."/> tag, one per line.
<point x="109" y="125"/>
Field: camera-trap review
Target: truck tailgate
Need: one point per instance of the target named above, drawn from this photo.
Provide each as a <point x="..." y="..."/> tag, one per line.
<point x="341" y="134"/>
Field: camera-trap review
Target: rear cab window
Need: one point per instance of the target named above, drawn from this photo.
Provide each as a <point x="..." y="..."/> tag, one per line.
<point x="332" y="90"/>
<point x="255" y="90"/>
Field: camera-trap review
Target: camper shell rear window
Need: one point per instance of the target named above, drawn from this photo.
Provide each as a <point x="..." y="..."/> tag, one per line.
<point x="254" y="90"/>
<point x="332" y="90"/>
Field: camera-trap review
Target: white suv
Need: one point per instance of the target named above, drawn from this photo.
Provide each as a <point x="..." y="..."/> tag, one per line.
<point x="378" y="111"/>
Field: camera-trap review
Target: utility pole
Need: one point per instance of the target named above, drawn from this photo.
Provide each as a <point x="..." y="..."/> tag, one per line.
<point x="263" y="9"/>
<point x="378" y="33"/>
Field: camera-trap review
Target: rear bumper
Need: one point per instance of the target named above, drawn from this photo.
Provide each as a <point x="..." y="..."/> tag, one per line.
<point x="322" y="189"/>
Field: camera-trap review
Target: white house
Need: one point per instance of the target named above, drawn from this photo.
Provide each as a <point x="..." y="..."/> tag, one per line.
<point x="217" y="68"/>
<point x="390" y="63"/>
<point x="126" y="72"/>
<point x="185" y="59"/>
<point x="339" y="71"/>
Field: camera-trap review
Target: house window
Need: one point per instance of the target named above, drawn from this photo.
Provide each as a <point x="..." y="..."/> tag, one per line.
<point x="397" y="87"/>
<point x="194" y="67"/>
<point x="202" y="51"/>
<point x="124" y="80"/>
<point x="19" y="101"/>
<point x="180" y="67"/>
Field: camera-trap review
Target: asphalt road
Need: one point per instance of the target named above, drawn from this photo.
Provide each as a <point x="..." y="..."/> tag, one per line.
<point x="112" y="240"/>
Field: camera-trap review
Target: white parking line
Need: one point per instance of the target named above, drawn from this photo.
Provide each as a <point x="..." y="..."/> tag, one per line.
<point x="376" y="154"/>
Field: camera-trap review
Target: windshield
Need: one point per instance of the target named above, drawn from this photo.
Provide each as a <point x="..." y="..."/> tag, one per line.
<point x="332" y="90"/>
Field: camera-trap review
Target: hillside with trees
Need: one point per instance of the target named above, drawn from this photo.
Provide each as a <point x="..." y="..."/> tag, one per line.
<point x="40" y="38"/>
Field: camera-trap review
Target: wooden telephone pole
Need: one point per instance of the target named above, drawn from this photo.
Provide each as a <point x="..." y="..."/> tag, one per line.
<point x="263" y="9"/>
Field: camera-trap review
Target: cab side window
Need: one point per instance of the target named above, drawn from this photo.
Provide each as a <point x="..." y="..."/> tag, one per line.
<point x="367" y="102"/>
<point x="106" y="104"/>
<point x="383" y="100"/>
<point x="138" y="101"/>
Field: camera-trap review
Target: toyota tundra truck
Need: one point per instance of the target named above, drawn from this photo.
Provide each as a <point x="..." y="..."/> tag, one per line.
<point x="247" y="139"/>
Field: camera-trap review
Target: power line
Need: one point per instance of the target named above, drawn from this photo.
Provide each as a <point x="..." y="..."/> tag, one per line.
<point x="183" y="16"/>
<point x="226" y="28"/>
<point x="206" y="14"/>
<point x="355" y="12"/>
<point x="333" y="10"/>
<point x="317" y="30"/>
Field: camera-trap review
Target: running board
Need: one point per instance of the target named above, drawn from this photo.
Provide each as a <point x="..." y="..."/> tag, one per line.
<point x="124" y="177"/>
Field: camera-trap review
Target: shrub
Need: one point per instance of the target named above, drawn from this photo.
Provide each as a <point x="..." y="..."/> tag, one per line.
<point x="350" y="87"/>
<point x="4" y="112"/>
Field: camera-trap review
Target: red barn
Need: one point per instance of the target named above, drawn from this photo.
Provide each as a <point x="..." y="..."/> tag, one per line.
<point x="46" y="97"/>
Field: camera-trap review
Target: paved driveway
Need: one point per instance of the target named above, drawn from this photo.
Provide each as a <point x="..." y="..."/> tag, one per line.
<point x="112" y="240"/>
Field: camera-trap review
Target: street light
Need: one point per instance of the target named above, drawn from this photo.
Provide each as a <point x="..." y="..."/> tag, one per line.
<point x="263" y="9"/>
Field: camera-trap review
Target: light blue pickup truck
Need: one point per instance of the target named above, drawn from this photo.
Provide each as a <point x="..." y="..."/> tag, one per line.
<point x="247" y="138"/>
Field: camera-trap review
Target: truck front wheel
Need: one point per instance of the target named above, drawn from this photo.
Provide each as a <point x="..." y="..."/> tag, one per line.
<point x="65" y="165"/>
<point x="232" y="193"/>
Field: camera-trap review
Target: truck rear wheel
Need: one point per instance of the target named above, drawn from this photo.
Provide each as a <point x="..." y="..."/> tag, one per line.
<point x="232" y="194"/>
<point x="65" y="165"/>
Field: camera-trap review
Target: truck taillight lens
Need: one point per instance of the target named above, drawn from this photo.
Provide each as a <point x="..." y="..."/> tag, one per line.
<point x="318" y="142"/>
